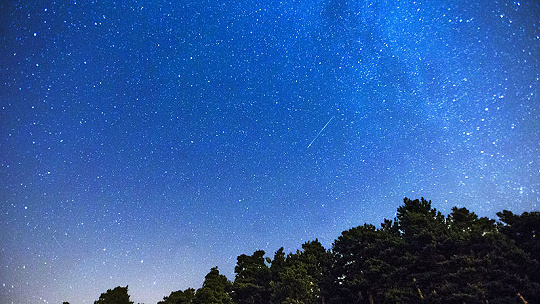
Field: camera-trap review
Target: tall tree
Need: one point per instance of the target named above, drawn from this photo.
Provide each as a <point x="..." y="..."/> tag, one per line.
<point x="278" y="264"/>
<point x="252" y="281"/>
<point x="364" y="267"/>
<point x="118" y="295"/>
<point x="295" y="285"/>
<point x="464" y="268"/>
<point x="421" y="229"/>
<point x="317" y="261"/>
<point x="316" y="257"/>
<point x="300" y="275"/>
<point x="216" y="289"/>
<point x="419" y="224"/>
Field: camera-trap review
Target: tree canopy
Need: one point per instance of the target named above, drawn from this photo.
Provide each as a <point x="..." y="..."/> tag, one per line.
<point x="180" y="297"/>
<point x="419" y="256"/>
<point x="118" y="295"/>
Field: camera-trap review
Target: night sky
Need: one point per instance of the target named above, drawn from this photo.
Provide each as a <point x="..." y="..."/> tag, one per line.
<point x="144" y="142"/>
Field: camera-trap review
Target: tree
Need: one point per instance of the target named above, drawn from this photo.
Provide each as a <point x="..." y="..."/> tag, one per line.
<point x="278" y="264"/>
<point x="216" y="289"/>
<point x="180" y="297"/>
<point x="316" y="257"/>
<point x="277" y="267"/>
<point x="422" y="229"/>
<point x="423" y="256"/>
<point x="295" y="285"/>
<point x="466" y="259"/>
<point x="316" y="260"/>
<point x="118" y="295"/>
<point x="419" y="257"/>
<point x="252" y="281"/>
<point x="364" y="267"/>
<point x="419" y="224"/>
<point x="299" y="277"/>
<point x="523" y="229"/>
<point x="460" y="259"/>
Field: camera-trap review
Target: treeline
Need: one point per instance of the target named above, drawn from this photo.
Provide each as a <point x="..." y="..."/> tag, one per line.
<point x="420" y="256"/>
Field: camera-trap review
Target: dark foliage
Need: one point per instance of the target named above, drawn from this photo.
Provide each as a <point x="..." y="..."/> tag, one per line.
<point x="420" y="256"/>
<point x="118" y="295"/>
<point x="216" y="289"/>
<point x="252" y="282"/>
<point x="180" y="297"/>
<point x="523" y="230"/>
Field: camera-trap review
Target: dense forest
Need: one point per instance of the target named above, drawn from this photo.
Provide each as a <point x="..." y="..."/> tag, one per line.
<point x="420" y="256"/>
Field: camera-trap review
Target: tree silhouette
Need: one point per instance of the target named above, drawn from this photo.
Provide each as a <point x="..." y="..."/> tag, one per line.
<point x="180" y="297"/>
<point x="118" y="295"/>
<point x="216" y="289"/>
<point x="298" y="278"/>
<point x="420" y="256"/>
<point x="523" y="229"/>
<point x="252" y="281"/>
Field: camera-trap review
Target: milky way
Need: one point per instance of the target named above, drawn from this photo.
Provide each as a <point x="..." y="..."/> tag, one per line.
<point x="144" y="143"/>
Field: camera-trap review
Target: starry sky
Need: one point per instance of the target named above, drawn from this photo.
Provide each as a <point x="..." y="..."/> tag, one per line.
<point x="144" y="142"/>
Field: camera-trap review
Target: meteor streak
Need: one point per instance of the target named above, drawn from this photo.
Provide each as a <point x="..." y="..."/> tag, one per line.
<point x="320" y="132"/>
<point x="57" y="242"/>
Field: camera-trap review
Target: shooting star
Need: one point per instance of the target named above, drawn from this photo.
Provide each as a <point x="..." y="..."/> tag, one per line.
<point x="320" y="132"/>
<point x="58" y="243"/>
